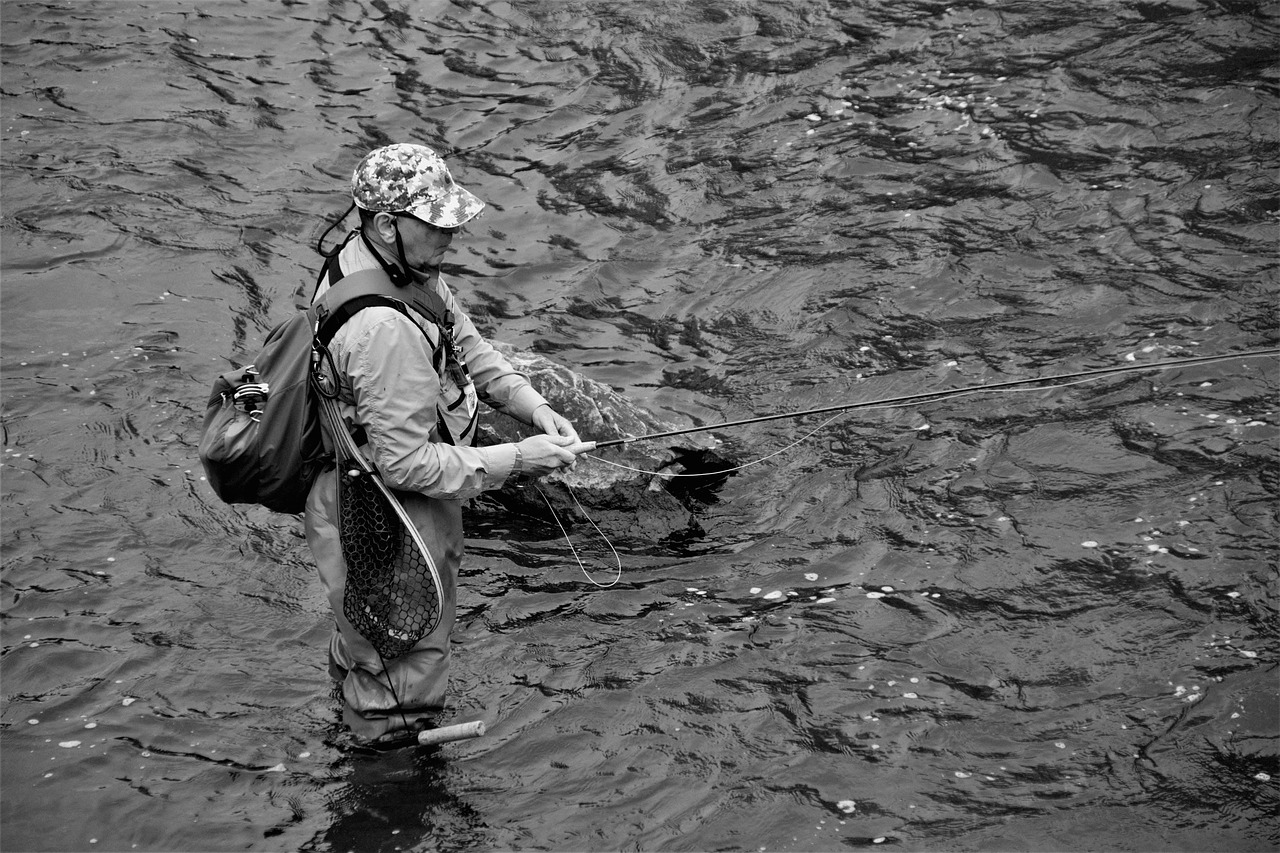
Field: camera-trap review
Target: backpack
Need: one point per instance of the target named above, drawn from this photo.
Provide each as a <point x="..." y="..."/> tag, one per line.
<point x="261" y="441"/>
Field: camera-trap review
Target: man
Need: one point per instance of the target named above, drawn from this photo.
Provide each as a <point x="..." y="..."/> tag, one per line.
<point x="416" y="410"/>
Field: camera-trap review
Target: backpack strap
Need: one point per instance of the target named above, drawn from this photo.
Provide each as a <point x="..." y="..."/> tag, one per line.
<point x="333" y="320"/>
<point x="429" y="303"/>
<point x="370" y="287"/>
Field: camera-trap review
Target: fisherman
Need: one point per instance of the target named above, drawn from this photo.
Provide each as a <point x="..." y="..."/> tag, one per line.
<point x="416" y="411"/>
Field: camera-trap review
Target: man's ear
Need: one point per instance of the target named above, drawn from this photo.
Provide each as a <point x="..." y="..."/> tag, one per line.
<point x="385" y="225"/>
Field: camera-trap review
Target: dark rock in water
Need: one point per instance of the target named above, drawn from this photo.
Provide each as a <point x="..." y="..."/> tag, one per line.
<point x="649" y="489"/>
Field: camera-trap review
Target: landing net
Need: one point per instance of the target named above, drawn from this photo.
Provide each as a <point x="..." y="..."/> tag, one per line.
<point x="392" y="593"/>
<point x="392" y="596"/>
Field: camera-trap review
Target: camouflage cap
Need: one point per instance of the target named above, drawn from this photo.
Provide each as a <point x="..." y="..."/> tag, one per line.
<point x="413" y="179"/>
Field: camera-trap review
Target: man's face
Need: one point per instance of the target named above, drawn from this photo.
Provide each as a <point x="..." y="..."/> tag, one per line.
<point x="424" y="245"/>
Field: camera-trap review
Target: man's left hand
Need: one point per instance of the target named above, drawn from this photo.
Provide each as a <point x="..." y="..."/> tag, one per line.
<point x="552" y="422"/>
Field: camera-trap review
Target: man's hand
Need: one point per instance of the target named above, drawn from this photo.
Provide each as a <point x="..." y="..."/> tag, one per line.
<point x="545" y="453"/>
<point x="553" y="423"/>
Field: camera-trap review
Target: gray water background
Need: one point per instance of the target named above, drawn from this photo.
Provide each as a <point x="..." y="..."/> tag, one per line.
<point x="1024" y="621"/>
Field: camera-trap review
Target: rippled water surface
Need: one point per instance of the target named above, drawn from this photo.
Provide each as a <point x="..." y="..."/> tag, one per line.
<point x="1036" y="620"/>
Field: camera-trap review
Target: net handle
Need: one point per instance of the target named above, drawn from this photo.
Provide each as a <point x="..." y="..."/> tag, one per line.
<point x="447" y="734"/>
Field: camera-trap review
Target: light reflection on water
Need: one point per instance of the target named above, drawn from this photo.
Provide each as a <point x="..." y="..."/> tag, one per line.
<point x="1023" y="621"/>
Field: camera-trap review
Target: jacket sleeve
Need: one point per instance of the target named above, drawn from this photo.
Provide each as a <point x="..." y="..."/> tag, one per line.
<point x="389" y="367"/>
<point x="496" y="381"/>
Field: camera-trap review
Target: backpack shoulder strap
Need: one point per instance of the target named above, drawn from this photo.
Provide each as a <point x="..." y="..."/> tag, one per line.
<point x="352" y="293"/>
<point x="367" y="287"/>
<point x="334" y="320"/>
<point x="359" y="283"/>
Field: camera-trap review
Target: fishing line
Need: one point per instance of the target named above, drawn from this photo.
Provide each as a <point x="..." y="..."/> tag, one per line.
<point x="1012" y="386"/>
<point x="616" y="557"/>
<point x="931" y="396"/>
<point x="778" y="452"/>
<point x="959" y="392"/>
<point x="574" y="550"/>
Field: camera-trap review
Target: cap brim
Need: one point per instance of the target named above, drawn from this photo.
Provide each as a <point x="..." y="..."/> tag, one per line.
<point x="450" y="211"/>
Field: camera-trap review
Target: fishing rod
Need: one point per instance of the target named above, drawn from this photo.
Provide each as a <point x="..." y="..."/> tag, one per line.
<point x="953" y="392"/>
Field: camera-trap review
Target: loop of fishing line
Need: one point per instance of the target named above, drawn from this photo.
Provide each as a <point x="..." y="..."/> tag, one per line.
<point x="617" y="558"/>
<point x="569" y="541"/>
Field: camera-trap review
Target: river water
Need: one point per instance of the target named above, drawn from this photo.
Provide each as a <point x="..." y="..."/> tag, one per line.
<point x="1036" y="620"/>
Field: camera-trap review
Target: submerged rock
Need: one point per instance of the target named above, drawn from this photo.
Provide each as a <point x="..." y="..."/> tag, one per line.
<point x="648" y="488"/>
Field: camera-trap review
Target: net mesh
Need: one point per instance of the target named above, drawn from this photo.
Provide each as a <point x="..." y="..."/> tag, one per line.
<point x="391" y="597"/>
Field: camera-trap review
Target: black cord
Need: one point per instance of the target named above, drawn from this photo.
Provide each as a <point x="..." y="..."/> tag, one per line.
<point x="392" y="687"/>
<point x="398" y="276"/>
<point x="333" y="225"/>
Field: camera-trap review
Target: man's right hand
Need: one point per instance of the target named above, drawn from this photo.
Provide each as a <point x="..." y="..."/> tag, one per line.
<point x="546" y="453"/>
